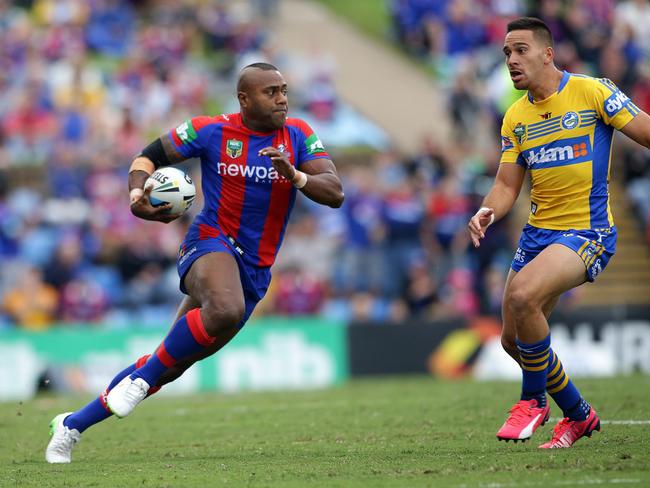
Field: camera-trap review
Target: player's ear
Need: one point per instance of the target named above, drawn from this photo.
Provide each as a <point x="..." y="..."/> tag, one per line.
<point x="243" y="99"/>
<point x="549" y="54"/>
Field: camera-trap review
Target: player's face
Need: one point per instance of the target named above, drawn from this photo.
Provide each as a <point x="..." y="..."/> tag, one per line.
<point x="525" y="57"/>
<point x="266" y="101"/>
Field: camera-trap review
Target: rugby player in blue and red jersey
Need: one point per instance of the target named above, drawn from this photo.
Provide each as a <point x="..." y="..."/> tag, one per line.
<point x="252" y="164"/>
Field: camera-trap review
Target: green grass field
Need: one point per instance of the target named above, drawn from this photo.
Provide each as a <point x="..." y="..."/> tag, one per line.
<point x="385" y="432"/>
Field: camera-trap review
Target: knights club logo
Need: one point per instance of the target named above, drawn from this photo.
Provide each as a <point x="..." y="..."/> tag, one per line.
<point x="234" y="148"/>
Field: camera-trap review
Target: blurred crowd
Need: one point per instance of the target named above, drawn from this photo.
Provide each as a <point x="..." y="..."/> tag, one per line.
<point x="84" y="85"/>
<point x="460" y="41"/>
<point x="400" y="248"/>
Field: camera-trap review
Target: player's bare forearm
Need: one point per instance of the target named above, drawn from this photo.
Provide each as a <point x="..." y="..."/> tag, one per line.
<point x="324" y="188"/>
<point x="505" y="190"/>
<point x="501" y="199"/>
<point x="322" y="183"/>
<point x="498" y="201"/>
<point x="137" y="177"/>
<point x="638" y="129"/>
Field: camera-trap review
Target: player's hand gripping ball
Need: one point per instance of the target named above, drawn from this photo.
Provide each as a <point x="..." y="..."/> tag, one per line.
<point x="173" y="186"/>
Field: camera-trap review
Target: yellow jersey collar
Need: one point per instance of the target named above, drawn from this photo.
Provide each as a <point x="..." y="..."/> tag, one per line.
<point x="565" y="79"/>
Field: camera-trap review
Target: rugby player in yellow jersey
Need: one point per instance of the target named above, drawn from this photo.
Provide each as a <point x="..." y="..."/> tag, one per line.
<point x="561" y="132"/>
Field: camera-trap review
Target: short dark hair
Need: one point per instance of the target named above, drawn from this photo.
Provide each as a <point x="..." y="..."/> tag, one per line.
<point x="262" y="66"/>
<point x="241" y="81"/>
<point x="538" y="27"/>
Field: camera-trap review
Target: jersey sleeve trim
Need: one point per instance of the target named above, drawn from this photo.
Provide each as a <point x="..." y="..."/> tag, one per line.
<point x="614" y="106"/>
<point x="510" y="150"/>
<point x="633" y="109"/>
<point x="186" y="134"/>
<point x="521" y="161"/>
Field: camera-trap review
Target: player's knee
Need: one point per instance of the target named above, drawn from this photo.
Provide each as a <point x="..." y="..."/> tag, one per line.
<point x="218" y="316"/>
<point x="521" y="301"/>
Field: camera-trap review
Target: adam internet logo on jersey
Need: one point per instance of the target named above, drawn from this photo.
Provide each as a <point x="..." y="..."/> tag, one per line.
<point x="559" y="153"/>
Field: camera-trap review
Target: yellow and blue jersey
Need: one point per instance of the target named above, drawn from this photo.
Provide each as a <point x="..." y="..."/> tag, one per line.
<point x="565" y="141"/>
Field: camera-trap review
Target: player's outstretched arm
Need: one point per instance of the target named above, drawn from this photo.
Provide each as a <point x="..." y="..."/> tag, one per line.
<point x="159" y="153"/>
<point x="638" y="129"/>
<point x="317" y="179"/>
<point x="498" y="201"/>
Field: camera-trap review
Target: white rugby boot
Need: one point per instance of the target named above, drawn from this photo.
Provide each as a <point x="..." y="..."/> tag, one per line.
<point x="59" y="449"/>
<point x="124" y="396"/>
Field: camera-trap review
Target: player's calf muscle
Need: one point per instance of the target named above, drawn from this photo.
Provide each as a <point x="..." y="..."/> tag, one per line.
<point x="172" y="374"/>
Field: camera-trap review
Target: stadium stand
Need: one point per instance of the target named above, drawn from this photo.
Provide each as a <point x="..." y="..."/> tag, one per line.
<point x="77" y="101"/>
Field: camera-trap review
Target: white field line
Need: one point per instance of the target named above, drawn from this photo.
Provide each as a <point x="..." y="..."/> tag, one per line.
<point x="345" y="403"/>
<point x="584" y="482"/>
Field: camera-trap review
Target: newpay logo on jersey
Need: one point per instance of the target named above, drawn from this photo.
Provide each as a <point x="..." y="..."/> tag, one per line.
<point x="616" y="102"/>
<point x="559" y="153"/>
<point x="314" y="145"/>
<point x="186" y="132"/>
<point x="256" y="173"/>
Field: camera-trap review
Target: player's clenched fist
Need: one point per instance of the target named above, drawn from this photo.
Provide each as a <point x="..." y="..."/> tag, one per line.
<point x="280" y="161"/>
<point x="479" y="223"/>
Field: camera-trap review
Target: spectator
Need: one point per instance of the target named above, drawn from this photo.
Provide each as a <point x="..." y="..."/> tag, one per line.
<point x="66" y="263"/>
<point x="359" y="266"/>
<point x="402" y="216"/>
<point x="297" y="292"/>
<point x="31" y="303"/>
<point x="83" y="301"/>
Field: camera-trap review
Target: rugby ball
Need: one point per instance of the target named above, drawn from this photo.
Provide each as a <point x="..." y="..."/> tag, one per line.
<point x="173" y="186"/>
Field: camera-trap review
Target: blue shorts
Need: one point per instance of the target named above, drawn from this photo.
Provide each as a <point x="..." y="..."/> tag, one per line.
<point x="255" y="280"/>
<point x="594" y="246"/>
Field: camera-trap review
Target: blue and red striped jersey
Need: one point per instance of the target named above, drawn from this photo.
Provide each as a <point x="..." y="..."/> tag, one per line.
<point x="244" y="196"/>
